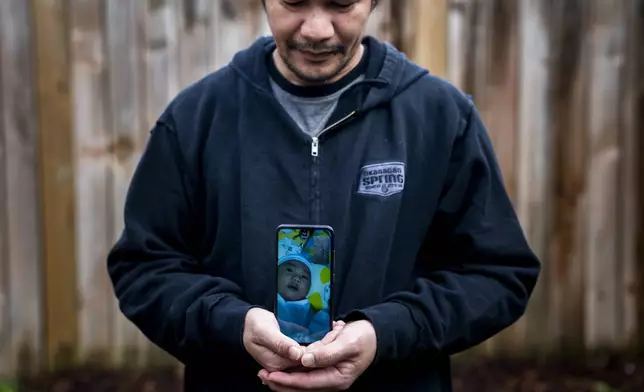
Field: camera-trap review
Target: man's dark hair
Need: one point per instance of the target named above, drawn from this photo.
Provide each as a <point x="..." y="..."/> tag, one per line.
<point x="374" y="3"/>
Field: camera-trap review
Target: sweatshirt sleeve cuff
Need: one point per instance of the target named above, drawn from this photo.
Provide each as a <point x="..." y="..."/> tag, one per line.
<point x="394" y="326"/>
<point x="226" y="321"/>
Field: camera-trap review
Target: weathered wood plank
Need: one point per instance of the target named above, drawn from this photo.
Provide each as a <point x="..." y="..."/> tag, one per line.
<point x="462" y="39"/>
<point x="88" y="66"/>
<point x="20" y="298"/>
<point x="161" y="52"/>
<point x="256" y="17"/>
<point x="631" y="188"/>
<point x="492" y="80"/>
<point x="567" y="23"/>
<point x="231" y="30"/>
<point x="492" y="77"/>
<point x="430" y="39"/>
<point x="139" y="19"/>
<point x="458" y="31"/>
<point x="124" y="149"/>
<point x="55" y="128"/>
<point x="264" y="28"/>
<point x="637" y="93"/>
<point x="533" y="165"/>
<point x="380" y="23"/>
<point x="6" y="366"/>
<point x="402" y="28"/>
<point x="604" y="304"/>
<point x="194" y="27"/>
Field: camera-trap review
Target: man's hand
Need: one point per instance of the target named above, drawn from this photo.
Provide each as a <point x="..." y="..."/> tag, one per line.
<point x="334" y="366"/>
<point x="265" y="342"/>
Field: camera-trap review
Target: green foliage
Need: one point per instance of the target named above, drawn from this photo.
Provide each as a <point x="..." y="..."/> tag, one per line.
<point x="599" y="387"/>
<point x="7" y="387"/>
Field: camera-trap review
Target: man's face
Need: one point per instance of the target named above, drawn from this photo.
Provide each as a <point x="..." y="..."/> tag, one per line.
<point x="318" y="41"/>
<point x="293" y="280"/>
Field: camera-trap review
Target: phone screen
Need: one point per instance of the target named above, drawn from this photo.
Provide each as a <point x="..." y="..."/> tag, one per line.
<point x="304" y="282"/>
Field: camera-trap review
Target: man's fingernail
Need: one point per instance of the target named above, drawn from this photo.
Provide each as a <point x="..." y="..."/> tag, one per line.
<point x="294" y="353"/>
<point x="308" y="360"/>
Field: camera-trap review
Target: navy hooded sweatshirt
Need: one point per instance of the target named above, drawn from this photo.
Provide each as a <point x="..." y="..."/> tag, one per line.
<point x="428" y="246"/>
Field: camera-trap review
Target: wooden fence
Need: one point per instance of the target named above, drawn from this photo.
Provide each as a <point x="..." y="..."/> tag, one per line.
<point x="559" y="84"/>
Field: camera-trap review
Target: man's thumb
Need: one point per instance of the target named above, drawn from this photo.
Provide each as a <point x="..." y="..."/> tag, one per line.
<point x="281" y="344"/>
<point x="326" y="355"/>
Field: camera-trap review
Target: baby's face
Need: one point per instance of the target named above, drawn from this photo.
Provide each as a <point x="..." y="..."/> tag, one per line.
<point x="293" y="280"/>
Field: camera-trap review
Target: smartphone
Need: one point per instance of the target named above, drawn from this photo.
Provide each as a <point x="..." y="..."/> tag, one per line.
<point x="304" y="281"/>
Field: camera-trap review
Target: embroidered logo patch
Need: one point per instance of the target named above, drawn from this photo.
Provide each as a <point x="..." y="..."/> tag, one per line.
<point x="382" y="179"/>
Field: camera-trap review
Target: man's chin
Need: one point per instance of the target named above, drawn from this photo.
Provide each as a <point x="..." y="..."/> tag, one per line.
<point x="317" y="79"/>
<point x="311" y="75"/>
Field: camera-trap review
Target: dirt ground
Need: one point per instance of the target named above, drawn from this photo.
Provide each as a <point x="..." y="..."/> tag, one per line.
<point x="607" y="375"/>
<point x="610" y="375"/>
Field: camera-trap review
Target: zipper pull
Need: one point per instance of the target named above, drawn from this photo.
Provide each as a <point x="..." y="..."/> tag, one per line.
<point x="314" y="146"/>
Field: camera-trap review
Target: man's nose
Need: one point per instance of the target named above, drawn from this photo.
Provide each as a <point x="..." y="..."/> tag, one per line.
<point x="318" y="26"/>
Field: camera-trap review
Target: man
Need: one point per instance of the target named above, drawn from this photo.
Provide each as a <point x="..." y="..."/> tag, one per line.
<point x="321" y="125"/>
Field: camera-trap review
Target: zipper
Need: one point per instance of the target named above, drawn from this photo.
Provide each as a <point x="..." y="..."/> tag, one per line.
<point x="315" y="170"/>
<point x="315" y="142"/>
<point x="315" y="146"/>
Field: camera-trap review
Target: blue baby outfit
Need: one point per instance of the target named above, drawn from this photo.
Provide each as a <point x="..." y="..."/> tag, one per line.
<point x="308" y="319"/>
